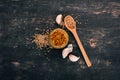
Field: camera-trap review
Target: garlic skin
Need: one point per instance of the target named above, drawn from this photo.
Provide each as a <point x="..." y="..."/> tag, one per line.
<point x="67" y="50"/>
<point x="73" y="58"/>
<point x="59" y="19"/>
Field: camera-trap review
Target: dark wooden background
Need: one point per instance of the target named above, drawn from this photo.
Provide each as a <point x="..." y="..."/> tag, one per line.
<point x="97" y="20"/>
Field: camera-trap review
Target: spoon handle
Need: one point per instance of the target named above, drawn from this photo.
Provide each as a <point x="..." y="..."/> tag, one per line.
<point x="87" y="60"/>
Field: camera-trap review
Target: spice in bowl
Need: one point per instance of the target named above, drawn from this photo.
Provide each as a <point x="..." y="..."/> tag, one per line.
<point x="58" y="38"/>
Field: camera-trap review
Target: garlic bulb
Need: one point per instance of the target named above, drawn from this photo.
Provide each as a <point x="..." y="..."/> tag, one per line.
<point x="67" y="50"/>
<point x="59" y="19"/>
<point x="73" y="58"/>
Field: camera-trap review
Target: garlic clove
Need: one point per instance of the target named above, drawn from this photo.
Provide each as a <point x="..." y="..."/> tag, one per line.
<point x="70" y="46"/>
<point x="65" y="52"/>
<point x="59" y="19"/>
<point x="73" y="58"/>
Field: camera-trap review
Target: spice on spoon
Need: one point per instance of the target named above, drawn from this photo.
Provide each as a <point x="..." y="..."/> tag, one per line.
<point x="69" y="21"/>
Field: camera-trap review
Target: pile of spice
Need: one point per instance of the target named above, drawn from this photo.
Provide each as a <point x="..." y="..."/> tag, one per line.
<point x="41" y="40"/>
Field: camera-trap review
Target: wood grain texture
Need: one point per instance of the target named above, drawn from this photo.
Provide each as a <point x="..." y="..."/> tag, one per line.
<point x="98" y="26"/>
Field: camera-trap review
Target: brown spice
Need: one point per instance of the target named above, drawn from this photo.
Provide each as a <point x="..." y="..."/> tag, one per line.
<point x="69" y="22"/>
<point x="41" y="40"/>
<point x="58" y="38"/>
<point x="92" y="42"/>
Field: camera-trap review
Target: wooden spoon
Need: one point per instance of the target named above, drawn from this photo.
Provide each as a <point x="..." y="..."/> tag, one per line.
<point x="71" y="25"/>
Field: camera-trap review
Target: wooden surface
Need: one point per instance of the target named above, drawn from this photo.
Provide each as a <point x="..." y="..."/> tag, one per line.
<point x="98" y="26"/>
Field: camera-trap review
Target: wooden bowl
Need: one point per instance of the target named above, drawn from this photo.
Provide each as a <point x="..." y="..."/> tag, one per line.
<point x="58" y="38"/>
